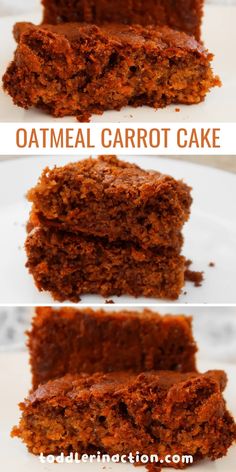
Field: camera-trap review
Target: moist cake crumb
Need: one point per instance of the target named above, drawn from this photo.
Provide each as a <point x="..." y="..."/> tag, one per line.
<point x="196" y="277"/>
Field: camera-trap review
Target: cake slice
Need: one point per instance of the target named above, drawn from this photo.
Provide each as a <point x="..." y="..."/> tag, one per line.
<point x="104" y="226"/>
<point x="184" y="15"/>
<point x="78" y="69"/>
<point x="68" y="340"/>
<point x="69" y="265"/>
<point x="119" y="413"/>
<point x="107" y="197"/>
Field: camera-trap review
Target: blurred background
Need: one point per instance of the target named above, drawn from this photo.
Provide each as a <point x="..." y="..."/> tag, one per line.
<point x="214" y="329"/>
<point x="11" y="7"/>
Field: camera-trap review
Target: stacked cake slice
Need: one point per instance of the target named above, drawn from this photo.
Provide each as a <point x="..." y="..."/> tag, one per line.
<point x="99" y="391"/>
<point x="103" y="226"/>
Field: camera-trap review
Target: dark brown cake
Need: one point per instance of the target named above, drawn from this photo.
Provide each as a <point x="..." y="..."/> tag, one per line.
<point x="183" y="15"/>
<point x="103" y="226"/>
<point x="78" y="69"/>
<point x="153" y="413"/>
<point x="69" y="340"/>
<point x="69" y="265"/>
<point x="106" y="197"/>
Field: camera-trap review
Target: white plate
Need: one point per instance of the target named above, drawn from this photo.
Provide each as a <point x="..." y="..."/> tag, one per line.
<point x="210" y="234"/>
<point x="15" y="383"/>
<point x="219" y="34"/>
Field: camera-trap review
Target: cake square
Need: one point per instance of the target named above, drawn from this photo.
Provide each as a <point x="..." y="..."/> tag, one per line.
<point x="183" y="15"/>
<point x="104" y="226"/>
<point x="109" y="198"/>
<point x="80" y="69"/>
<point x="70" y="340"/>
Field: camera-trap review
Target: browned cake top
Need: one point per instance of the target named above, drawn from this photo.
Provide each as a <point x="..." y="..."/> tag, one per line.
<point x="83" y="386"/>
<point x="105" y="174"/>
<point x="42" y="314"/>
<point x="159" y="37"/>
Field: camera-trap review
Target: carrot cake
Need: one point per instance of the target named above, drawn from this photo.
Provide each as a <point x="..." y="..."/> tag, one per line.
<point x="103" y="226"/>
<point x="81" y="69"/>
<point x="120" y="413"/>
<point x="69" y="265"/>
<point x="110" y="198"/>
<point x="183" y="15"/>
<point x="69" y="340"/>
